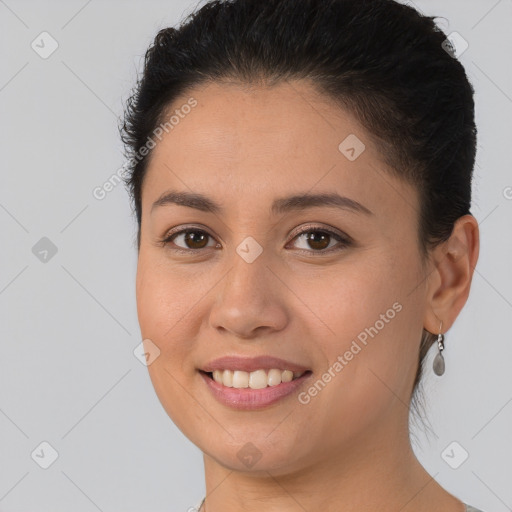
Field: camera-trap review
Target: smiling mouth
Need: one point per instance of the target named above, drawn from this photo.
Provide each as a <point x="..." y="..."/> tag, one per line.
<point x="258" y="379"/>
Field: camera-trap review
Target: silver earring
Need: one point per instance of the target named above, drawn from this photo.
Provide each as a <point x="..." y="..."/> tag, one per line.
<point x="438" y="364"/>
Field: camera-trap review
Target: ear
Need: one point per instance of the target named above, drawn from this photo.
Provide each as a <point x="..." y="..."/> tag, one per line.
<point x="450" y="280"/>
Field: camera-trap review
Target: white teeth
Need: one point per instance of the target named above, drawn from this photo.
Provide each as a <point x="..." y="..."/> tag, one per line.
<point x="227" y="379"/>
<point x="240" y="379"/>
<point x="258" y="379"/>
<point x="217" y="376"/>
<point x="287" y="376"/>
<point x="274" y="377"/>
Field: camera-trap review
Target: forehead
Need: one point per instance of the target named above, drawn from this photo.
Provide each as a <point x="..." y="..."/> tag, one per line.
<point x="253" y="143"/>
<point x="252" y="125"/>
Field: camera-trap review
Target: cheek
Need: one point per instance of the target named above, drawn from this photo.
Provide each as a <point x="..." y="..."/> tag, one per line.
<point x="350" y="297"/>
<point x="373" y="333"/>
<point x="166" y="300"/>
<point x="166" y="296"/>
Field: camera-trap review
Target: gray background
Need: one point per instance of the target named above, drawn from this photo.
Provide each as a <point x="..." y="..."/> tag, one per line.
<point x="68" y="373"/>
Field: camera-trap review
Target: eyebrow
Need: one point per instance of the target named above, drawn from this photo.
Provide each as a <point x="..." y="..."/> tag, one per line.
<point x="297" y="202"/>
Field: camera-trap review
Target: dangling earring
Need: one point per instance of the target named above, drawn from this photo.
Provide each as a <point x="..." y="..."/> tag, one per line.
<point x="438" y="364"/>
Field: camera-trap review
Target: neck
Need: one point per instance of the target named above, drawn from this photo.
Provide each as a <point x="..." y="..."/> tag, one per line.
<point x="372" y="471"/>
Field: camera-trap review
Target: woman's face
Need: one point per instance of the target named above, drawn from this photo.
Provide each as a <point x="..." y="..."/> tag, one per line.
<point x="244" y="282"/>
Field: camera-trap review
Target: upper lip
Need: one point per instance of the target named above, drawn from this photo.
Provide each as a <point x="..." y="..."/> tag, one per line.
<point x="250" y="364"/>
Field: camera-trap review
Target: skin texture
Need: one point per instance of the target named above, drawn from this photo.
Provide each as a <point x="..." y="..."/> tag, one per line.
<point x="348" y="448"/>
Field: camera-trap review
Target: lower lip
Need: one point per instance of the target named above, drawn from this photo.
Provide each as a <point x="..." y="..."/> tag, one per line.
<point x="250" y="399"/>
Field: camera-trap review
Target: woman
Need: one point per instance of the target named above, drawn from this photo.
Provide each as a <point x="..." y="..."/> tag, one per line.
<point x="301" y="177"/>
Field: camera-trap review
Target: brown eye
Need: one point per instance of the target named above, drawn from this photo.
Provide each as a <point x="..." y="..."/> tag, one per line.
<point x="196" y="239"/>
<point x="318" y="239"/>
<point x="321" y="240"/>
<point x="189" y="240"/>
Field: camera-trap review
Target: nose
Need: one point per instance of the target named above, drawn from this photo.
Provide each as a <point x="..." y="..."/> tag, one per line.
<point x="249" y="301"/>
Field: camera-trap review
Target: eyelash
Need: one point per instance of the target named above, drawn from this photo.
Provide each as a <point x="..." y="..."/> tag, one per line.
<point x="345" y="241"/>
